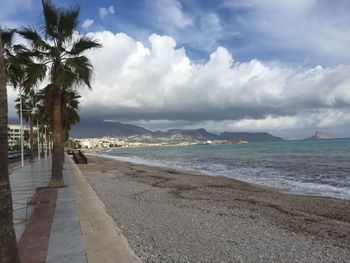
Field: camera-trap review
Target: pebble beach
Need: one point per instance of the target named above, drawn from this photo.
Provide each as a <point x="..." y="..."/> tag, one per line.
<point x="172" y="216"/>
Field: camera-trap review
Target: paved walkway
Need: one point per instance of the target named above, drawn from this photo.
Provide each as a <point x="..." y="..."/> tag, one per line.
<point x="23" y="184"/>
<point x="104" y="242"/>
<point x="72" y="226"/>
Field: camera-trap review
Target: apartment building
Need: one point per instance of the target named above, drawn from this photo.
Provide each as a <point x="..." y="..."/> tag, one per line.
<point x="14" y="133"/>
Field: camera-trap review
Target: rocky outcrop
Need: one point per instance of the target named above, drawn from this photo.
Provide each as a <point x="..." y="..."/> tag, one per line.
<point x="321" y="135"/>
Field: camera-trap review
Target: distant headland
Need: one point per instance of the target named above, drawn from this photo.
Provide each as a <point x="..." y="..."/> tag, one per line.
<point x="322" y="135"/>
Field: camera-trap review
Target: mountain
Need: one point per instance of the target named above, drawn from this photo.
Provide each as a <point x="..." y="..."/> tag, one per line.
<point x="321" y="135"/>
<point x="126" y="130"/>
<point x="248" y="136"/>
<point x="199" y="134"/>
<point x="102" y="128"/>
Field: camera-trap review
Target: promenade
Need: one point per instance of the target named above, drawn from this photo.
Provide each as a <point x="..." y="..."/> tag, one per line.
<point x="70" y="225"/>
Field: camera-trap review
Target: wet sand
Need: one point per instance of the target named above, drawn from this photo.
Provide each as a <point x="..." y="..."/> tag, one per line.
<point x="171" y="216"/>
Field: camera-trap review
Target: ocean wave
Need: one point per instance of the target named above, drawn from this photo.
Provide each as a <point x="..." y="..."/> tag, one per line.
<point x="287" y="176"/>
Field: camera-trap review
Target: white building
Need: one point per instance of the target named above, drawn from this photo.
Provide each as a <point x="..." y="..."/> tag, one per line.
<point x="14" y="133"/>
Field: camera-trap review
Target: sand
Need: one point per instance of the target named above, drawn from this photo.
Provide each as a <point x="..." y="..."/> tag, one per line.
<point x="171" y="216"/>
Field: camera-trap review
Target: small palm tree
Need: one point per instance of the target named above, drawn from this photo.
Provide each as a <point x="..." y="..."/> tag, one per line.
<point x="62" y="53"/>
<point x="71" y="111"/>
<point x="44" y="117"/>
<point x="8" y="243"/>
<point x="20" y="68"/>
<point x="30" y="113"/>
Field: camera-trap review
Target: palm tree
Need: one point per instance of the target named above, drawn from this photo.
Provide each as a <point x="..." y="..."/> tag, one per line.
<point x="71" y="114"/>
<point x="62" y="53"/>
<point x="30" y="114"/>
<point x="44" y="118"/>
<point x="8" y="243"/>
<point x="70" y="109"/>
<point x="20" y="68"/>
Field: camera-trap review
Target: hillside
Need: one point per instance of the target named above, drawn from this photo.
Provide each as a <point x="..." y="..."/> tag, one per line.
<point x="119" y="129"/>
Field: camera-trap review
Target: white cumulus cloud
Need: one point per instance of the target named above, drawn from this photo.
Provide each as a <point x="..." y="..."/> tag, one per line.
<point x="169" y="13"/>
<point x="316" y="29"/>
<point x="134" y="82"/>
<point x="106" y="11"/>
<point x="87" y="23"/>
<point x="159" y="86"/>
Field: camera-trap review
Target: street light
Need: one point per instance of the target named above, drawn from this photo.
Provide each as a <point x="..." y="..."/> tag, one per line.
<point x="21" y="117"/>
<point x="47" y="153"/>
<point x="38" y="137"/>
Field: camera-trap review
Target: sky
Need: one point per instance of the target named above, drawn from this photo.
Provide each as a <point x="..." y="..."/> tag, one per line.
<point x="276" y="66"/>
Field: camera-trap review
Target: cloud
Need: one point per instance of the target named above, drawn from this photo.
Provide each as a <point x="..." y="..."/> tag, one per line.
<point x="106" y="11"/>
<point x="322" y="119"/>
<point x="325" y="118"/>
<point x="161" y="83"/>
<point x="195" y="27"/>
<point x="87" y="23"/>
<point x="169" y="13"/>
<point x="159" y="86"/>
<point x="13" y="6"/>
<point x="314" y="30"/>
<point x="14" y="14"/>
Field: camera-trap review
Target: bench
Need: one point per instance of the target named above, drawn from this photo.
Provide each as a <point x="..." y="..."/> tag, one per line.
<point x="79" y="157"/>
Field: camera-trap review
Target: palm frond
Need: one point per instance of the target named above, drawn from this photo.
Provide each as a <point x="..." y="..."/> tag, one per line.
<point x="51" y="19"/>
<point x="82" y="67"/>
<point x="68" y="22"/>
<point x="82" y="44"/>
<point x="7" y="37"/>
<point x="66" y="78"/>
<point x="34" y="39"/>
<point x="46" y="97"/>
<point x="35" y="72"/>
<point x="26" y="54"/>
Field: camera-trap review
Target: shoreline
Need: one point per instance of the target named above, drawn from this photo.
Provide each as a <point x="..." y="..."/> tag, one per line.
<point x="165" y="213"/>
<point x="204" y="173"/>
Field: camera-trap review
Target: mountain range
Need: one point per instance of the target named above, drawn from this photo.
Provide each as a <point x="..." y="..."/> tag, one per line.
<point x="127" y="130"/>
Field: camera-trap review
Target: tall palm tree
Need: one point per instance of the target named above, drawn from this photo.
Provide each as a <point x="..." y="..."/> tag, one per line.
<point x="8" y="244"/>
<point x="62" y="53"/>
<point x="70" y="108"/>
<point x="30" y="114"/>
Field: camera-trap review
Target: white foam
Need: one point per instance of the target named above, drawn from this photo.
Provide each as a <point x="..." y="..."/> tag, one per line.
<point x="262" y="176"/>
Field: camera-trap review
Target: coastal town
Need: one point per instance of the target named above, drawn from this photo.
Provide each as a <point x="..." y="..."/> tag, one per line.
<point x="141" y="141"/>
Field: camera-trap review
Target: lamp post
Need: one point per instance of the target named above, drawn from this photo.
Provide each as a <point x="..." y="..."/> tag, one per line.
<point x="21" y="117"/>
<point x="38" y="137"/>
<point x="47" y="153"/>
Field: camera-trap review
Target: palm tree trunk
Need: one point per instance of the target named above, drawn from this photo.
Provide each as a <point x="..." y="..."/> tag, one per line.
<point x="63" y="134"/>
<point x="63" y="139"/>
<point x="57" y="152"/>
<point x="8" y="243"/>
<point x="31" y="138"/>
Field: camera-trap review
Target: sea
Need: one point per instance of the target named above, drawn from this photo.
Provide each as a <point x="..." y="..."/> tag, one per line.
<point x="308" y="167"/>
